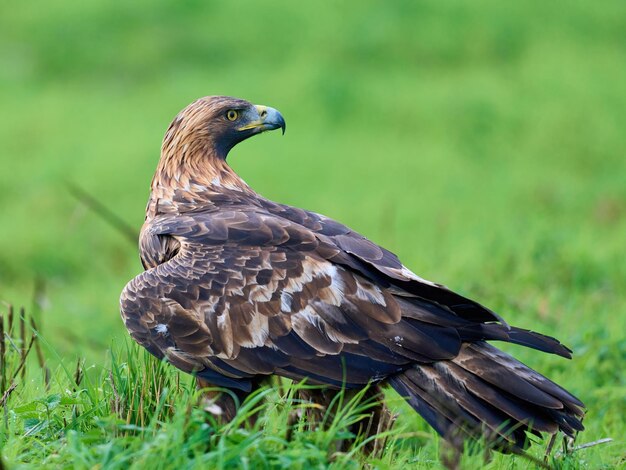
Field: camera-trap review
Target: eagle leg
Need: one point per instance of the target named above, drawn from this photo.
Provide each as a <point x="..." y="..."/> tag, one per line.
<point x="223" y="405"/>
<point x="380" y="421"/>
<point x="377" y="421"/>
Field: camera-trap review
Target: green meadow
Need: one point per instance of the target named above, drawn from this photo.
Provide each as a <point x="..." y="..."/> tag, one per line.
<point x="483" y="142"/>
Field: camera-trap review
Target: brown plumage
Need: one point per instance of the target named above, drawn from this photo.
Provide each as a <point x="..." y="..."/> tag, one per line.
<point x="238" y="288"/>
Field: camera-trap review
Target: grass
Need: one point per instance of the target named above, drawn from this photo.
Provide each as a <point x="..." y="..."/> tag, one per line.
<point x="137" y="412"/>
<point x="481" y="141"/>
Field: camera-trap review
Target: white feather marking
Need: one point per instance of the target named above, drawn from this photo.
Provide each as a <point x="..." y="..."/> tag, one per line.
<point x="308" y="316"/>
<point x="311" y="270"/>
<point x="229" y="185"/>
<point x="337" y="286"/>
<point x="259" y="331"/>
<point x="406" y="272"/>
<point x="338" y="337"/>
<point x="332" y="296"/>
<point x="225" y="327"/>
<point x="161" y="329"/>
<point x="285" y="301"/>
<point x="236" y="291"/>
<point x="222" y="321"/>
<point x="260" y="294"/>
<point x="370" y="293"/>
<point x="337" y="280"/>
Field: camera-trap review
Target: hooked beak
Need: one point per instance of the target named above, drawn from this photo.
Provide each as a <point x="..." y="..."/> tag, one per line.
<point x="263" y="118"/>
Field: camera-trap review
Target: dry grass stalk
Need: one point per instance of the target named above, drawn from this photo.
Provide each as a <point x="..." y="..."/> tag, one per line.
<point x="24" y="354"/>
<point x="7" y="394"/>
<point x="104" y="213"/>
<point x="40" y="357"/>
<point x="78" y="374"/>
<point x="3" y="371"/>
<point x="10" y="326"/>
<point x="15" y="346"/>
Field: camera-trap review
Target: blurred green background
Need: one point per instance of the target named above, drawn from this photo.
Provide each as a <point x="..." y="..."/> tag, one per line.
<point x="483" y="142"/>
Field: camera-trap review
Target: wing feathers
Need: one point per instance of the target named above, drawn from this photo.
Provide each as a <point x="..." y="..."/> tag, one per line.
<point x="249" y="292"/>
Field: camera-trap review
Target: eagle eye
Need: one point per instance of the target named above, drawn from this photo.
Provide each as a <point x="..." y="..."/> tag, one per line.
<point x="232" y="115"/>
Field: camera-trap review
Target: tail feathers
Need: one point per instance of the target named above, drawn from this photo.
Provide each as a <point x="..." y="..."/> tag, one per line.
<point x="497" y="368"/>
<point x="471" y="331"/>
<point x="512" y="334"/>
<point x="453" y="411"/>
<point x="485" y="393"/>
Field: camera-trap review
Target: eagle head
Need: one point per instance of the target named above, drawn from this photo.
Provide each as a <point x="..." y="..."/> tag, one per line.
<point x="215" y="124"/>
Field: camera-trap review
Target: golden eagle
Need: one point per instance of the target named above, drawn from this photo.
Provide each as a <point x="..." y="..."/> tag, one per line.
<point x="237" y="288"/>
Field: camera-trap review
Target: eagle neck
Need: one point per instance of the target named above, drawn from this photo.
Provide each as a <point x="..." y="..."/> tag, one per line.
<point x="189" y="176"/>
